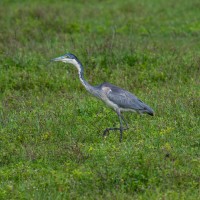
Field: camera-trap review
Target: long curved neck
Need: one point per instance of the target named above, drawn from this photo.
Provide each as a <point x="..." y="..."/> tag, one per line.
<point x="82" y="79"/>
<point x="87" y="86"/>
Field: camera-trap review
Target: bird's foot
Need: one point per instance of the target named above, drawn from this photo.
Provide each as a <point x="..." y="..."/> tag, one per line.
<point x="106" y="132"/>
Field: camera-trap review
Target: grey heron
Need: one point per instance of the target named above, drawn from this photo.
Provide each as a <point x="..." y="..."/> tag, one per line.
<point x="117" y="98"/>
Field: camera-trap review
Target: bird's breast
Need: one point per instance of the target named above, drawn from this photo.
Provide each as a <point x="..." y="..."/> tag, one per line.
<point x="106" y="90"/>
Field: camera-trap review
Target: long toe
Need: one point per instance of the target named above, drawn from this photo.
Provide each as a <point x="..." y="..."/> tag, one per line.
<point x="121" y="134"/>
<point x="105" y="132"/>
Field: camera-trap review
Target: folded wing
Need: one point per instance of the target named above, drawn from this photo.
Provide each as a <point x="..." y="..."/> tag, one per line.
<point x="126" y="100"/>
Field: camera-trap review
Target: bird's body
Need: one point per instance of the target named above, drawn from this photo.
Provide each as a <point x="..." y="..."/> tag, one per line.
<point x="117" y="98"/>
<point x="122" y="100"/>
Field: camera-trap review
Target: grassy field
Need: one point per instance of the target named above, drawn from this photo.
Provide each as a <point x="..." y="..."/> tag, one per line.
<point x="51" y="129"/>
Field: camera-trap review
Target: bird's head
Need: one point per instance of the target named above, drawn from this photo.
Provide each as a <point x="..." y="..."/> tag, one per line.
<point x="67" y="58"/>
<point x="70" y="58"/>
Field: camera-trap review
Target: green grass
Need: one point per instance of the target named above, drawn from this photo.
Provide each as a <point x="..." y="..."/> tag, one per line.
<point x="51" y="129"/>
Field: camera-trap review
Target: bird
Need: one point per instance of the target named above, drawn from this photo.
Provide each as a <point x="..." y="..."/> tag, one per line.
<point x="118" y="99"/>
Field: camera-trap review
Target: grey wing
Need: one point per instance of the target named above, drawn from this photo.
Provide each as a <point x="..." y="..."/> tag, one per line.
<point x="126" y="100"/>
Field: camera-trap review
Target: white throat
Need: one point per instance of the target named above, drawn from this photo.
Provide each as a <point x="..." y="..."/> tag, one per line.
<point x="73" y="62"/>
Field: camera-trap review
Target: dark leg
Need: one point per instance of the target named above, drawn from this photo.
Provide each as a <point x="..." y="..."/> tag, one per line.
<point x="121" y="128"/>
<point x="116" y="129"/>
<point x="124" y="122"/>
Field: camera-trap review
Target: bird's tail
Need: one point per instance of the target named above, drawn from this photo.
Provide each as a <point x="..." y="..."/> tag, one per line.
<point x="149" y="110"/>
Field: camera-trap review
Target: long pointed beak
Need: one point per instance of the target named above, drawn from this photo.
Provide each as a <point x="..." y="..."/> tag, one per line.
<point x="57" y="59"/>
